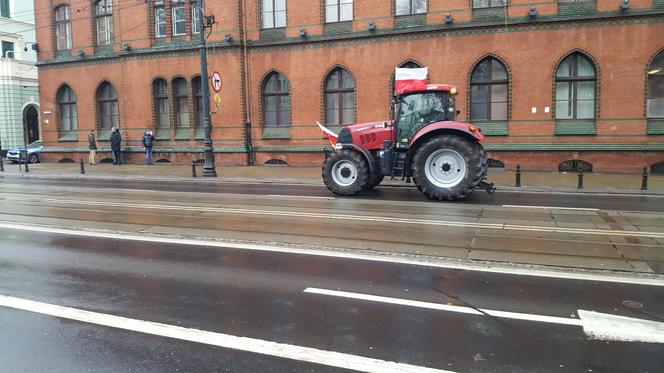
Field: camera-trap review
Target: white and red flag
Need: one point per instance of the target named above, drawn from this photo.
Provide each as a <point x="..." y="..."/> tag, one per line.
<point x="410" y="79"/>
<point x="329" y="134"/>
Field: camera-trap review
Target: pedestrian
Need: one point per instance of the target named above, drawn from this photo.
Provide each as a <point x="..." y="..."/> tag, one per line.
<point x="148" y="141"/>
<point x="92" y="145"/>
<point x="116" y="140"/>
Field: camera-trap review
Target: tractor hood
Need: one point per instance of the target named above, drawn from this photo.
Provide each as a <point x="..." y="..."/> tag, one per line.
<point x="361" y="127"/>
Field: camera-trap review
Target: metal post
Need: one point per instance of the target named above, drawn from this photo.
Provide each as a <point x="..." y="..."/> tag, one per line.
<point x="580" y="186"/>
<point x="2" y="165"/>
<point x="208" y="166"/>
<point x="82" y="167"/>
<point x="27" y="161"/>
<point x="193" y="168"/>
<point x="644" y="179"/>
<point x="518" y="176"/>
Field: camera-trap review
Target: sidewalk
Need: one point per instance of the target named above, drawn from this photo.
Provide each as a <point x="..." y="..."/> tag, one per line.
<point x="504" y="180"/>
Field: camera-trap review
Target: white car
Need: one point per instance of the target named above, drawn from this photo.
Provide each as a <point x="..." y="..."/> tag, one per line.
<point x="33" y="149"/>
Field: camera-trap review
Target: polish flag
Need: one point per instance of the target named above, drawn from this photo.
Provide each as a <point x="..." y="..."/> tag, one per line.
<point x="410" y="79"/>
<point x="329" y="134"/>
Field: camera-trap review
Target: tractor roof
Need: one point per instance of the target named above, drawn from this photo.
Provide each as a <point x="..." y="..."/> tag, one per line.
<point x="433" y="87"/>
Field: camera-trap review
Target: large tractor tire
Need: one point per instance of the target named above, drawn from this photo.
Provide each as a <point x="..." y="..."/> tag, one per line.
<point x="345" y="172"/>
<point x="449" y="167"/>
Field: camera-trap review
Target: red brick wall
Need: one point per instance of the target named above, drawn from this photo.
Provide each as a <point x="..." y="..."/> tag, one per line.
<point x="531" y="53"/>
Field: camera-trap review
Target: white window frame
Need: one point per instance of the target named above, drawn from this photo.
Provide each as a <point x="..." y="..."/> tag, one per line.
<point x="194" y="18"/>
<point x="175" y="5"/>
<point x="159" y="7"/>
<point x="337" y="5"/>
<point x="272" y="14"/>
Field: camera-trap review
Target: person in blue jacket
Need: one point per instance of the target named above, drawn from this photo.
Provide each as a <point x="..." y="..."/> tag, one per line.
<point x="148" y="141"/>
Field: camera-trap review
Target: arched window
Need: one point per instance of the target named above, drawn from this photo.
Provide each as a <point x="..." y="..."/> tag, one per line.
<point x="63" y="28"/>
<point x="575" y="88"/>
<point x="107" y="107"/>
<point x="181" y="103"/>
<point x="276" y="101"/>
<point x="656" y="87"/>
<point x="104" y="21"/>
<point x="489" y="87"/>
<point x="67" y="112"/>
<point x="339" y="98"/>
<point x="161" y="110"/>
<point x="199" y="115"/>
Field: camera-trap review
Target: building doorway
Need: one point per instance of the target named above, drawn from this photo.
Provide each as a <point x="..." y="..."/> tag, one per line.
<point x="31" y="123"/>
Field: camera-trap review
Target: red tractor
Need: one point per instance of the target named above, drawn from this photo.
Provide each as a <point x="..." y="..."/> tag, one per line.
<point x="424" y="142"/>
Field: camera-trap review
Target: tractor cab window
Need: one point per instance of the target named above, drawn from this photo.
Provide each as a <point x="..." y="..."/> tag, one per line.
<point x="420" y="109"/>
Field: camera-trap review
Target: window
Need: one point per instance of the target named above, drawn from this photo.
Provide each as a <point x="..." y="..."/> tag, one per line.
<point x="575" y="88"/>
<point x="63" y="28"/>
<point x="489" y="87"/>
<point x="7" y="49"/>
<point x="107" y="107"/>
<point x="478" y="4"/>
<point x="656" y="87"/>
<point x="199" y="114"/>
<point x="195" y="16"/>
<point x="406" y="7"/>
<point x="274" y="13"/>
<point x="104" y="21"/>
<point x="338" y="10"/>
<point x="4" y="8"/>
<point x="66" y="99"/>
<point x="179" y="20"/>
<point x="340" y="98"/>
<point x="180" y="101"/>
<point x="160" y="94"/>
<point x="276" y="101"/>
<point x="159" y="19"/>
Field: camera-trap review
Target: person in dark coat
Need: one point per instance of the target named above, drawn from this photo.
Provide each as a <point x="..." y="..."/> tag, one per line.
<point x="148" y="141"/>
<point x="116" y="141"/>
<point x="92" y="145"/>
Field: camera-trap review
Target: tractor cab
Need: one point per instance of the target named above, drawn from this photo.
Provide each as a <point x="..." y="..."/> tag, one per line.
<point x="414" y="110"/>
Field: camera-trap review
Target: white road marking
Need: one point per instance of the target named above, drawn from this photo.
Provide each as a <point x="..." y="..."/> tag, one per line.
<point x="595" y="325"/>
<point x="651" y="280"/>
<point x="604" y="326"/>
<point x="552" y="207"/>
<point x="366" y="218"/>
<point x="259" y="346"/>
<point x="298" y="197"/>
<point x="445" y="307"/>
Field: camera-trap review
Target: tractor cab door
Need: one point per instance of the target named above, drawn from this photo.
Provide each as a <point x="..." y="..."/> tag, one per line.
<point x="418" y="110"/>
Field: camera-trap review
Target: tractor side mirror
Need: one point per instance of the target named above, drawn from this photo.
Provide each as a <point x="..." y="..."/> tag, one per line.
<point x="411" y="105"/>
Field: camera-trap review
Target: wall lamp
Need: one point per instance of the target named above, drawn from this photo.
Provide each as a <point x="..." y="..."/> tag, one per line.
<point x="372" y="25"/>
<point x="228" y="37"/>
<point x="624" y="5"/>
<point x="532" y="12"/>
<point x="449" y="19"/>
<point x="303" y="32"/>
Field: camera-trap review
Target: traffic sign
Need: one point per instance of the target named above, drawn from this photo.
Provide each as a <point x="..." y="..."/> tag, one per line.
<point x="217" y="99"/>
<point x="215" y="81"/>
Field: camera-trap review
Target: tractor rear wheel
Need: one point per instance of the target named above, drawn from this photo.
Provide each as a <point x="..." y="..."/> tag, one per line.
<point x="449" y="167"/>
<point x="345" y="172"/>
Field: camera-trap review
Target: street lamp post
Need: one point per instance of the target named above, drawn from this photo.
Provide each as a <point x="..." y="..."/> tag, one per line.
<point x="208" y="166"/>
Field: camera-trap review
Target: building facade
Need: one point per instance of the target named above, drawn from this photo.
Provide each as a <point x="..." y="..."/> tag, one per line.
<point x="19" y="92"/>
<point x="553" y="84"/>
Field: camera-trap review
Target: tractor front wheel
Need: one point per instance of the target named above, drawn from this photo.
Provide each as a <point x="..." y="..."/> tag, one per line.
<point x="345" y="172"/>
<point x="448" y="167"/>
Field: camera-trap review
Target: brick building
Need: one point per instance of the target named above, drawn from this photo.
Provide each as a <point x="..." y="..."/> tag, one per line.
<point x="552" y="83"/>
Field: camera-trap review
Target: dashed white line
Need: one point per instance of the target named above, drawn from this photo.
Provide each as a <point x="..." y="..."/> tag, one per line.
<point x="552" y="207"/>
<point x="259" y="346"/>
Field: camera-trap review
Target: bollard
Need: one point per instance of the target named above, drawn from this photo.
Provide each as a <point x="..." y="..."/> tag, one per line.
<point x="82" y="167"/>
<point x="580" y="186"/>
<point x="27" y="162"/>
<point x="518" y="176"/>
<point x="2" y="165"/>
<point x="644" y="179"/>
<point x="193" y="168"/>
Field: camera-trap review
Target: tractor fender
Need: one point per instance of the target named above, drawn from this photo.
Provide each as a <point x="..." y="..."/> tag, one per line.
<point x="371" y="160"/>
<point x="463" y="129"/>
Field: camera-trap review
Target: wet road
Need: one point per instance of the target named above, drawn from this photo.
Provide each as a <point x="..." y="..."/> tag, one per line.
<point x="651" y="203"/>
<point x="134" y="249"/>
<point x="261" y="295"/>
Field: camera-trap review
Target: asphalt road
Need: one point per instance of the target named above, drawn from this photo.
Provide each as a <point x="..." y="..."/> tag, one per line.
<point x="261" y="295"/>
<point x="652" y="203"/>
